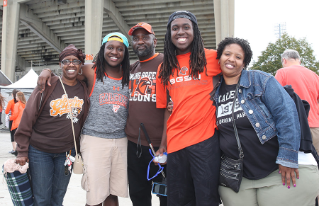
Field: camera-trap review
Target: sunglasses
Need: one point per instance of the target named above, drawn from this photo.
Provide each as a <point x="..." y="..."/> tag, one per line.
<point x="74" y="62"/>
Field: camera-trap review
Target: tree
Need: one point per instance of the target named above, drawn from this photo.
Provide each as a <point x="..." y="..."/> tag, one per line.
<point x="270" y="59"/>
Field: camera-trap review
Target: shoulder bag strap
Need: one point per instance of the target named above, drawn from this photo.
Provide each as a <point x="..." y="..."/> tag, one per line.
<point x="71" y="118"/>
<point x="241" y="153"/>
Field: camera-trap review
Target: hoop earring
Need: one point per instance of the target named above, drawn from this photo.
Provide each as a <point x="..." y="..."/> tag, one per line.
<point x="81" y="72"/>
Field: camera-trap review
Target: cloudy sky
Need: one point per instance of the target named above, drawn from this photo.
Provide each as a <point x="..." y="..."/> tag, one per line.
<point x="255" y="20"/>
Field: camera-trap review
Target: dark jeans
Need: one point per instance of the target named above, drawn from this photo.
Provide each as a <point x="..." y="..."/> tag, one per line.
<point x="11" y="132"/>
<point x="139" y="187"/>
<point x="193" y="174"/>
<point x="48" y="179"/>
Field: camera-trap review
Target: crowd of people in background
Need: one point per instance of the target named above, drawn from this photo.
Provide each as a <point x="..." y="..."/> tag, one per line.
<point x="2" y="104"/>
<point x="9" y="110"/>
<point x="192" y="102"/>
<point x="14" y="110"/>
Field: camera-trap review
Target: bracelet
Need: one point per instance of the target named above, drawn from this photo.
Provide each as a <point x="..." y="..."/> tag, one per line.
<point x="49" y="70"/>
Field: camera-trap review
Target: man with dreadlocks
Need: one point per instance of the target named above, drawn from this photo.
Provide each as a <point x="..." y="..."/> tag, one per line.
<point x="187" y="75"/>
<point x="103" y="141"/>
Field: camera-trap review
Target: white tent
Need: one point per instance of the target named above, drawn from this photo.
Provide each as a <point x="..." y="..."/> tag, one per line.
<point x="28" y="81"/>
<point x="26" y="85"/>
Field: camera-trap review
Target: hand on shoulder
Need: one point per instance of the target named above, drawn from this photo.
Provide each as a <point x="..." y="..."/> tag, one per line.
<point x="87" y="72"/>
<point x="44" y="77"/>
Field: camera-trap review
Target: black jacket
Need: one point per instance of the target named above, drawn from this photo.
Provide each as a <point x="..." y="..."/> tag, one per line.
<point x="303" y="108"/>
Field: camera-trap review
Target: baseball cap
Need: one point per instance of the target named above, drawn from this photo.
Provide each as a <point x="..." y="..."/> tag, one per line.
<point x="141" y="25"/>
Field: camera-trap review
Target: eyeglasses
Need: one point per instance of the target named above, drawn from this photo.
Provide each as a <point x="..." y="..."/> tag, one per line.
<point x="74" y="62"/>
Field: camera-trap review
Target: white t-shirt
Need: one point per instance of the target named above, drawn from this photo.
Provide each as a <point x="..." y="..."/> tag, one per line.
<point x="306" y="159"/>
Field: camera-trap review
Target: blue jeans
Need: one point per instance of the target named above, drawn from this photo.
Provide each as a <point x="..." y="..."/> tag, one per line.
<point x="48" y="178"/>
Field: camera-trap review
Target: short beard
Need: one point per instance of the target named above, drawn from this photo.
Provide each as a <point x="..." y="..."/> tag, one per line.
<point x="145" y="52"/>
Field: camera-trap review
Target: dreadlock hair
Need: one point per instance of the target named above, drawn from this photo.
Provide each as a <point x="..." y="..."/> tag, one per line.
<point x="100" y="63"/>
<point x="244" y="44"/>
<point x="197" y="60"/>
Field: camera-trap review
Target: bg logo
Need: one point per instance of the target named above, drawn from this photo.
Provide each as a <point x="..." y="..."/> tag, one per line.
<point x="143" y="85"/>
<point x="184" y="79"/>
<point x="183" y="70"/>
<point x="115" y="108"/>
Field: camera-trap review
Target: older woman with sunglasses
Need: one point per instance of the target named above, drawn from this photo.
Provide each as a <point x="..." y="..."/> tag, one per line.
<point x="45" y="138"/>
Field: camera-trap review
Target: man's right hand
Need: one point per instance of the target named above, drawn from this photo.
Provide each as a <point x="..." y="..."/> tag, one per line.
<point x="44" y="77"/>
<point x="22" y="160"/>
<point x="160" y="152"/>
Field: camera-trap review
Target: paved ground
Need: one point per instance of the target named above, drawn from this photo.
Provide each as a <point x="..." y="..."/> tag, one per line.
<point x="75" y="196"/>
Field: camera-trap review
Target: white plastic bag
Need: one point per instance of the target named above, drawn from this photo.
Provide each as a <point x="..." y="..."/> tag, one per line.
<point x="7" y="120"/>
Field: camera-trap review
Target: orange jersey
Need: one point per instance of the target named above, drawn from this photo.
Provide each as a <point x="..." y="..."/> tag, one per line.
<point x="10" y="106"/>
<point x="193" y="119"/>
<point x="17" y="114"/>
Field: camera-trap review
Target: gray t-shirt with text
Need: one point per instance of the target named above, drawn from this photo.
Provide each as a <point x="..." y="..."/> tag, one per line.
<point x="108" y="109"/>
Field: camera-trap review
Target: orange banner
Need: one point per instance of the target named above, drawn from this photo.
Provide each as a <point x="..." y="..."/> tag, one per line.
<point x="5" y="3"/>
<point x="89" y="57"/>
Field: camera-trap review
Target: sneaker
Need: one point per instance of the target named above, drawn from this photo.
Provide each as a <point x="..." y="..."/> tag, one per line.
<point x="12" y="151"/>
<point x="15" y="153"/>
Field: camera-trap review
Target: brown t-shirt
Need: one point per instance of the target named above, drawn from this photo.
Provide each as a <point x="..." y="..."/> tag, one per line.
<point x="142" y="102"/>
<point x="52" y="131"/>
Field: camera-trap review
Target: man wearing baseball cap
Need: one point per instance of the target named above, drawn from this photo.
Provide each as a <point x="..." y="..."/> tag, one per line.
<point x="143" y="109"/>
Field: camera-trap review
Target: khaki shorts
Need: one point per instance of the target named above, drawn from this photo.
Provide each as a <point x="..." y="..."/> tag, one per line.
<point x="315" y="137"/>
<point x="105" y="168"/>
<point x="269" y="191"/>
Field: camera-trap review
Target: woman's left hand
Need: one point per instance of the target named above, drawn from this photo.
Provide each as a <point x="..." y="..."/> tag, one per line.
<point x="170" y="106"/>
<point x="288" y="173"/>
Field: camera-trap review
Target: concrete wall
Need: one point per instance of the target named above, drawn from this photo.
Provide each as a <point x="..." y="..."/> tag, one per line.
<point x="97" y="14"/>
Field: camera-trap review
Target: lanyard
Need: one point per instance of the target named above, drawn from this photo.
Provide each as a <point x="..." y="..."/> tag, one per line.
<point x="148" y="168"/>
